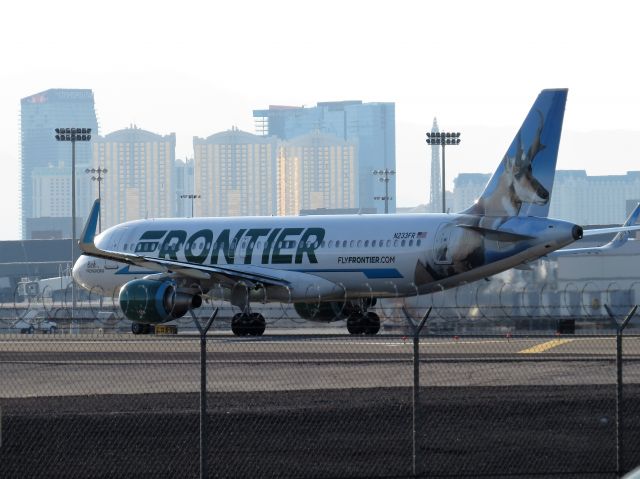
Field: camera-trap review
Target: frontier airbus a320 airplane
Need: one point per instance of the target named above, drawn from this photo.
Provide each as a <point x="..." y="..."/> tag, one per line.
<point x="335" y="267"/>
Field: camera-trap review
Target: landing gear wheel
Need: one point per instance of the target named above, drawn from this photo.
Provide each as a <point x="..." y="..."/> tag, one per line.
<point x="140" y="328"/>
<point x="354" y="324"/>
<point x="252" y="324"/>
<point x="371" y="323"/>
<point x="238" y="325"/>
<point x="258" y="324"/>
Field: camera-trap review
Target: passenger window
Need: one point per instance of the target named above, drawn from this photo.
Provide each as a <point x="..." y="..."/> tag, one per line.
<point x="359" y="243"/>
<point x="410" y="243"/>
<point x="388" y="243"/>
<point x="395" y="243"/>
<point x="344" y="243"/>
<point x="330" y="243"/>
<point x="402" y="243"/>
<point x="366" y="243"/>
<point x="418" y="242"/>
<point x="352" y="243"/>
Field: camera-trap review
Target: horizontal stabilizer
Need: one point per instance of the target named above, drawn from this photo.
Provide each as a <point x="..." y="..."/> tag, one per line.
<point x="615" y="229"/>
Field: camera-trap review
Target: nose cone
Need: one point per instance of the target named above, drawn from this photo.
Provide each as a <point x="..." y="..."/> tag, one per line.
<point x="79" y="268"/>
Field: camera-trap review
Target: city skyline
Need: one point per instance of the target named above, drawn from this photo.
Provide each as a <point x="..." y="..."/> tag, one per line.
<point x="129" y="144"/>
<point x="218" y="64"/>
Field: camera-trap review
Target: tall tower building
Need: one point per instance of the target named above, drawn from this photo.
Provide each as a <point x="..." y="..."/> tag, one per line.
<point x="435" y="190"/>
<point x="140" y="181"/>
<point x="235" y="173"/>
<point x="184" y="186"/>
<point x="317" y="170"/>
<point x="40" y="115"/>
<point x="370" y="125"/>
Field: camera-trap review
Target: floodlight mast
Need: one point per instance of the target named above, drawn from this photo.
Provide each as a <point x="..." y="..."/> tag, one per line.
<point x="384" y="177"/>
<point x="73" y="135"/>
<point x="443" y="138"/>
<point x="99" y="177"/>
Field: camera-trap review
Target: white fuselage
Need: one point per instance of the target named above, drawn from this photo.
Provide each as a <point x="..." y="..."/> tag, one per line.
<point x="322" y="256"/>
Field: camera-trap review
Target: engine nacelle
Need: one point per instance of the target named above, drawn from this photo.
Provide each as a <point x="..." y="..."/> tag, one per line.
<point x="151" y="301"/>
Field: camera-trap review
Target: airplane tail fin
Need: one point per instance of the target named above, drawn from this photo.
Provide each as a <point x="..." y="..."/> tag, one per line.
<point x="522" y="184"/>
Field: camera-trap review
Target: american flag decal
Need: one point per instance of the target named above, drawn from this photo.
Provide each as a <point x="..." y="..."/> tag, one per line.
<point x="422" y="234"/>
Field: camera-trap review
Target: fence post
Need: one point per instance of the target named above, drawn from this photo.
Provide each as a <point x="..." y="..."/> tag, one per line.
<point x="416" y="379"/>
<point x="203" y="388"/>
<point x="619" y="421"/>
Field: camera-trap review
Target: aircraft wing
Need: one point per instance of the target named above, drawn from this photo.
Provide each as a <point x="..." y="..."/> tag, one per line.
<point x="234" y="273"/>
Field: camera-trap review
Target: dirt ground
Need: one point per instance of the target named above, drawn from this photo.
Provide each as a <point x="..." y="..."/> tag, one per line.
<point x="537" y="431"/>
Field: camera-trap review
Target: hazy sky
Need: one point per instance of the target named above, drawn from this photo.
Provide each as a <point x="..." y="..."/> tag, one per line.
<point x="196" y="68"/>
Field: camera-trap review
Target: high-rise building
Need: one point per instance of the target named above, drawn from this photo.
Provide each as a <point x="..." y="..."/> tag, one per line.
<point x="597" y="200"/>
<point x="235" y="174"/>
<point x="371" y="125"/>
<point x="467" y="188"/>
<point x="52" y="201"/>
<point x="40" y="115"/>
<point x="184" y="186"/>
<point x="140" y="179"/>
<point x="317" y="170"/>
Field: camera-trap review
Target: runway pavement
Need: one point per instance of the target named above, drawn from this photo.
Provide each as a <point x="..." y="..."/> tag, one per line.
<point x="126" y="364"/>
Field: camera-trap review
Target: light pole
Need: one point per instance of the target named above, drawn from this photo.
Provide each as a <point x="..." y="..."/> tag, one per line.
<point x="193" y="197"/>
<point x="442" y="138"/>
<point x="99" y="178"/>
<point x="73" y="135"/>
<point x="384" y="177"/>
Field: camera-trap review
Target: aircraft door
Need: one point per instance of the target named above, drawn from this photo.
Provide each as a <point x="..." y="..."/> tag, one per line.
<point x="441" y="245"/>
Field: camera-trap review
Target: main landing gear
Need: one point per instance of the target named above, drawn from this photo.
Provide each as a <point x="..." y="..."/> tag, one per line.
<point x="363" y="323"/>
<point x="248" y="324"/>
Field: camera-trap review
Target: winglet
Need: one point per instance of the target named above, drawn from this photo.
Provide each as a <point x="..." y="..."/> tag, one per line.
<point x="623" y="236"/>
<point x="89" y="232"/>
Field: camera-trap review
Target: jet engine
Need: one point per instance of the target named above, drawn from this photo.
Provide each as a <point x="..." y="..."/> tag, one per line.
<point x="152" y="301"/>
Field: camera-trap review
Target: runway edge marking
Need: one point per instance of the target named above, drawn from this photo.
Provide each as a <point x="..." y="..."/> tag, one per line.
<point x="547" y="345"/>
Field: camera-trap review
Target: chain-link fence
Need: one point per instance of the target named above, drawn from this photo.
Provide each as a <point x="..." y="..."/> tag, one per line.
<point x="301" y="402"/>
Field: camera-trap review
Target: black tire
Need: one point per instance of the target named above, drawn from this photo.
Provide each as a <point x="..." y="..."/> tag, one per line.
<point x="354" y="324"/>
<point x="237" y="325"/>
<point x="258" y="324"/>
<point x="371" y="324"/>
<point x="137" y="328"/>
